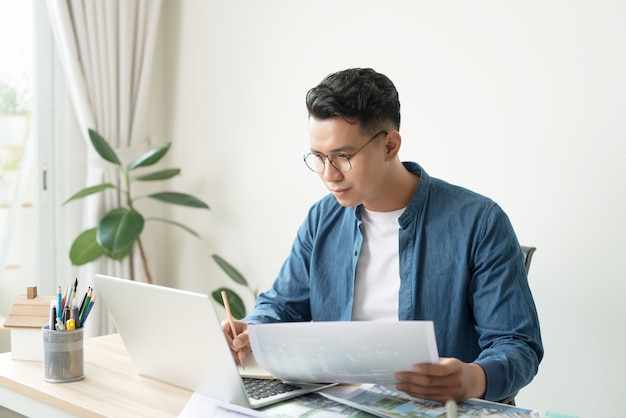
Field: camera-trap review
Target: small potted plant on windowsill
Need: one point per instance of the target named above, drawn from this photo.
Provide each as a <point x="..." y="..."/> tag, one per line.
<point x="8" y="164"/>
<point x="14" y="123"/>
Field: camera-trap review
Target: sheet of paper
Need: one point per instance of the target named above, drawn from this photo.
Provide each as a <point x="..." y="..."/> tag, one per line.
<point x="252" y="369"/>
<point x="312" y="405"/>
<point x="200" y="405"/>
<point x="343" y="352"/>
<point x="389" y="403"/>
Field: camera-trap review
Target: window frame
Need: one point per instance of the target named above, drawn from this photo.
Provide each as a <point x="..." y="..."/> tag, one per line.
<point x="43" y="129"/>
<point x="57" y="146"/>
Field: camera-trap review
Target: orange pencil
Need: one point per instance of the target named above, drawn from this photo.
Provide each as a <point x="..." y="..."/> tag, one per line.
<point x="229" y="315"/>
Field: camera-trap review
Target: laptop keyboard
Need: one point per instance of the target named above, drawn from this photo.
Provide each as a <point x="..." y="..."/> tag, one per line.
<point x="264" y="388"/>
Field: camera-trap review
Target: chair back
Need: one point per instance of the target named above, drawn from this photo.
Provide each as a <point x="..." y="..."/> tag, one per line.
<point x="528" y="256"/>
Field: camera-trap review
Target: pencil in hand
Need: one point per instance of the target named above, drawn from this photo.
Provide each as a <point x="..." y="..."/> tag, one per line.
<point x="233" y="330"/>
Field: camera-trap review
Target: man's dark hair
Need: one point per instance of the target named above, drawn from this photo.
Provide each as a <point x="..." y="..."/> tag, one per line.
<point x="356" y="93"/>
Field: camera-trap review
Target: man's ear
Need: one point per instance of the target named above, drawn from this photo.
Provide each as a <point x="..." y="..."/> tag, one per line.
<point x="392" y="143"/>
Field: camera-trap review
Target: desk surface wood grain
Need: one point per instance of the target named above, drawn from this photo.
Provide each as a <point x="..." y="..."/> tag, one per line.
<point x="111" y="387"/>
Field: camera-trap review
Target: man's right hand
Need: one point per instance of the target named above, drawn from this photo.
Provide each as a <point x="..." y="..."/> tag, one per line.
<point x="240" y="343"/>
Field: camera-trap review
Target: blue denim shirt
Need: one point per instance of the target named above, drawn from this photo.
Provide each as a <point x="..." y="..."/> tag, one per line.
<point x="461" y="266"/>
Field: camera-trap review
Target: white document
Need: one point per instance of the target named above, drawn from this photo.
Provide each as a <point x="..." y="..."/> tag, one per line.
<point x="342" y="352"/>
<point x="389" y="403"/>
<point x="200" y="405"/>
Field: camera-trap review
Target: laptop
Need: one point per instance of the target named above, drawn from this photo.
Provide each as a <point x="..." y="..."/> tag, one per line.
<point x="175" y="336"/>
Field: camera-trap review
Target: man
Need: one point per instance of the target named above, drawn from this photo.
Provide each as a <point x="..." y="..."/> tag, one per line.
<point x="392" y="243"/>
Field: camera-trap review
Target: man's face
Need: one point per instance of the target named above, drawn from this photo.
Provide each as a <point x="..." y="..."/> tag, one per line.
<point x="337" y="137"/>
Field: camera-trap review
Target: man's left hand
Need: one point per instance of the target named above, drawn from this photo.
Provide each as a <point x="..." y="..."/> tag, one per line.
<point x="448" y="379"/>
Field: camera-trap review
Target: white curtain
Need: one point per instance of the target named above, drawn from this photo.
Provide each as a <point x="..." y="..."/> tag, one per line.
<point x="106" y="51"/>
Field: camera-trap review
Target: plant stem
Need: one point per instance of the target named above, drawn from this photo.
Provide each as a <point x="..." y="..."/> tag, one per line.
<point x="142" y="252"/>
<point x="129" y="200"/>
<point x="144" y="261"/>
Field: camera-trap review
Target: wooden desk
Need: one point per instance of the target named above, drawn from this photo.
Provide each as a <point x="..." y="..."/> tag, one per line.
<point x="111" y="387"/>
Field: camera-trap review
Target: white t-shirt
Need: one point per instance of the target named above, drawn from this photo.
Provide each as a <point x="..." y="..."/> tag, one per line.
<point x="377" y="286"/>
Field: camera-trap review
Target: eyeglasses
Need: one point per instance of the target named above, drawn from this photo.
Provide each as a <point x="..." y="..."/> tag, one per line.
<point x="317" y="161"/>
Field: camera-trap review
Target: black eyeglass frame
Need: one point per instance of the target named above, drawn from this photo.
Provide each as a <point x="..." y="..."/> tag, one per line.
<point x="324" y="157"/>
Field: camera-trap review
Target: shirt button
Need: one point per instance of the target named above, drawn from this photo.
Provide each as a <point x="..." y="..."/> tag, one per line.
<point x="354" y="253"/>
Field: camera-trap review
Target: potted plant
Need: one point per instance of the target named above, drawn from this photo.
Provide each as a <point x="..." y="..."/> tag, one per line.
<point x="8" y="164"/>
<point x="14" y="123"/>
<point x="120" y="228"/>
<point x="13" y="100"/>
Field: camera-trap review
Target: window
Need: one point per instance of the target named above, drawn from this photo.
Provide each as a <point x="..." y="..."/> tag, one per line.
<point x="27" y="222"/>
<point x="17" y="258"/>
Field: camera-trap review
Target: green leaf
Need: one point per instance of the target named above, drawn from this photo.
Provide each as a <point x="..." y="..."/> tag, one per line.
<point x="167" y="221"/>
<point x="121" y="254"/>
<point x="237" y="307"/>
<point x="158" y="175"/>
<point x="232" y="272"/>
<point x="118" y="229"/>
<point x="150" y="157"/>
<point x="85" y="248"/>
<point x="103" y="148"/>
<point x="88" y="191"/>
<point x="182" y="199"/>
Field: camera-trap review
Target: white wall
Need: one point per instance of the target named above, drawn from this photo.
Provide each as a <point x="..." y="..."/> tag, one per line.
<point x="521" y="101"/>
